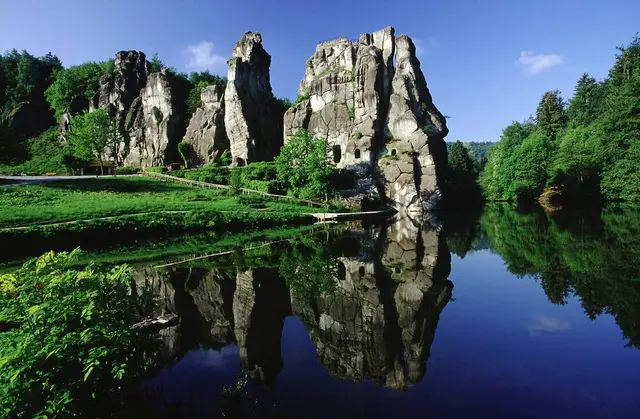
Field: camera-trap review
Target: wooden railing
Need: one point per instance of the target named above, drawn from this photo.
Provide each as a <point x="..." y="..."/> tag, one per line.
<point x="243" y="190"/>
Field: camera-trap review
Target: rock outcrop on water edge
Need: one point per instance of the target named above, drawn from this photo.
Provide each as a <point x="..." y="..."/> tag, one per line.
<point x="378" y="117"/>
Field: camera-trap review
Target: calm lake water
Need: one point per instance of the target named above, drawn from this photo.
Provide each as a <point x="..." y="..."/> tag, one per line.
<point x="504" y="314"/>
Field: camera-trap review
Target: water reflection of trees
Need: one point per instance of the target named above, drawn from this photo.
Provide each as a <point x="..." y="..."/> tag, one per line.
<point x="591" y="254"/>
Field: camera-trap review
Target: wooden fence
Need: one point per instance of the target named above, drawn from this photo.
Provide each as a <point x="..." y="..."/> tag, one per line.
<point x="243" y="190"/>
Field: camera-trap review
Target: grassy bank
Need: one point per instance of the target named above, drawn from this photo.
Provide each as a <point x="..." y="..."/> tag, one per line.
<point x="85" y="199"/>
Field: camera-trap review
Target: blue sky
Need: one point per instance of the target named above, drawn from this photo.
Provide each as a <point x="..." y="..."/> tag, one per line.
<point x="487" y="62"/>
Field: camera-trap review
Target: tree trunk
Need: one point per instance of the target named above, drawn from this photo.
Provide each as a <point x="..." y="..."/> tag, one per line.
<point x="101" y="166"/>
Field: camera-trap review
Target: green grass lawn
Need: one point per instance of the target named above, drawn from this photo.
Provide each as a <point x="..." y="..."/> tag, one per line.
<point x="109" y="196"/>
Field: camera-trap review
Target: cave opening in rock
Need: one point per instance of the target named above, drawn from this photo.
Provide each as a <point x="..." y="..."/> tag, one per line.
<point x="337" y="154"/>
<point x="342" y="272"/>
<point x="356" y="153"/>
<point x="393" y="152"/>
<point x="361" y="271"/>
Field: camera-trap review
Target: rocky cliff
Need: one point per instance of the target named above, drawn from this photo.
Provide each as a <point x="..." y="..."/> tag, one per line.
<point x="379" y="119"/>
<point x="253" y="117"/>
<point x="148" y="108"/>
<point x="206" y="131"/>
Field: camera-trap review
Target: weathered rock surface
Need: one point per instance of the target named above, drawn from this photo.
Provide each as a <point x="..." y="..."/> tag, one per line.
<point x="206" y="131"/>
<point x="148" y="108"/>
<point x="417" y="153"/>
<point x="253" y="117"/>
<point x="157" y="124"/>
<point x="375" y="116"/>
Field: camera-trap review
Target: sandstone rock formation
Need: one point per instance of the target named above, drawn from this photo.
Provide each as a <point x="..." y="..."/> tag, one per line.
<point x="374" y="115"/>
<point x="148" y="108"/>
<point x="253" y="117"/>
<point x="155" y="122"/>
<point x="206" y="131"/>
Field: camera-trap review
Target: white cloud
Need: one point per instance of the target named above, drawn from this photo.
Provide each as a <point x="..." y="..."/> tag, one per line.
<point x="422" y="45"/>
<point x="534" y="63"/>
<point x="201" y="57"/>
<point x="543" y="323"/>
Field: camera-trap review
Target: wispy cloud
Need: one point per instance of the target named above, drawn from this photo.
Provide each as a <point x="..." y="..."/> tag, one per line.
<point x="423" y="45"/>
<point x="543" y="323"/>
<point x="534" y="63"/>
<point x="201" y="57"/>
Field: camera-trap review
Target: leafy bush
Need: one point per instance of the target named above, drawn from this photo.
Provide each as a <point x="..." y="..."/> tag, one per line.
<point x="71" y="344"/>
<point x="45" y="156"/>
<point x="225" y="158"/>
<point x="127" y="171"/>
<point x="157" y="169"/>
<point x="259" y="171"/>
<point x="210" y="173"/>
<point x="304" y="95"/>
<point x="267" y="186"/>
<point x="235" y="182"/>
<point x="285" y="103"/>
<point x="304" y="166"/>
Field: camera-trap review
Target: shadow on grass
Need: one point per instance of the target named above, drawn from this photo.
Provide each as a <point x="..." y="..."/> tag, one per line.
<point x="115" y="184"/>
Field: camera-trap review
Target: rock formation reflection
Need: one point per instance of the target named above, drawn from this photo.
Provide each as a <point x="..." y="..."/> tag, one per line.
<point x="376" y="322"/>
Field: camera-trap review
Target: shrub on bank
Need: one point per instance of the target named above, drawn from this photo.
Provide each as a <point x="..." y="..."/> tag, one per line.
<point x="127" y="171"/>
<point x="156" y="169"/>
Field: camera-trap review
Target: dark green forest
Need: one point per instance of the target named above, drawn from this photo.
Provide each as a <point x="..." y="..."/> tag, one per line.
<point x="587" y="147"/>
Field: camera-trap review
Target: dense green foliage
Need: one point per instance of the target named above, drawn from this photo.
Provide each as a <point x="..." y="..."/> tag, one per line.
<point x="24" y="112"/>
<point x="83" y="79"/>
<point x="24" y="78"/>
<point x="199" y="81"/>
<point x="304" y="166"/>
<point x="478" y="150"/>
<point x="461" y="176"/>
<point x="285" y="103"/>
<point x="588" y="147"/>
<point x="185" y="150"/>
<point x="42" y="155"/>
<point x="71" y="346"/>
<point x="309" y="269"/>
<point x="94" y="135"/>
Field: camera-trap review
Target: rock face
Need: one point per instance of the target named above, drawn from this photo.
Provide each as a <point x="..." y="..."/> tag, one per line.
<point x="206" y="131"/>
<point x="253" y="117"/>
<point x="379" y="120"/>
<point x="148" y="108"/>
<point x="157" y="124"/>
